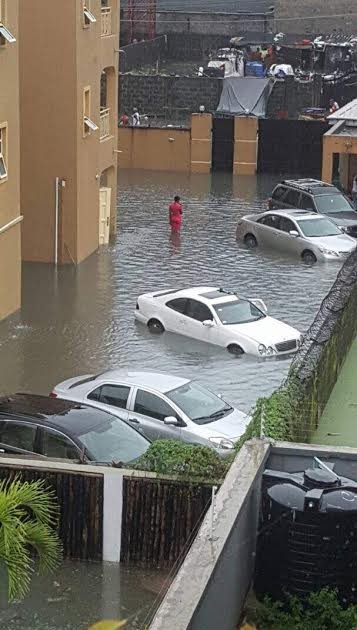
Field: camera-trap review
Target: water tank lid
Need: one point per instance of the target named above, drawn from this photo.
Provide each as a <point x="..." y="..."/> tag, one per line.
<point x="320" y="478"/>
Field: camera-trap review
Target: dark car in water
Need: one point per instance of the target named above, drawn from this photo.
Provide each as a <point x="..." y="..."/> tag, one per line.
<point x="316" y="196"/>
<point x="54" y="428"/>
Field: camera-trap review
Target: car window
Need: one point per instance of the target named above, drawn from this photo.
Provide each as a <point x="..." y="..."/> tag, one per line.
<point x="292" y="198"/>
<point x="151" y="405"/>
<point x="286" y="225"/>
<point x="57" y="445"/>
<point x="333" y="203"/>
<point x="178" y="305"/>
<point x="20" y="435"/>
<point x="306" y="202"/>
<point x="270" y="220"/>
<point x="115" y="395"/>
<point x="198" y="310"/>
<point x="279" y="193"/>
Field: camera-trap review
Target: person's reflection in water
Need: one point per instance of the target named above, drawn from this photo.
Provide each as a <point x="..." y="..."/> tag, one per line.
<point x="175" y="240"/>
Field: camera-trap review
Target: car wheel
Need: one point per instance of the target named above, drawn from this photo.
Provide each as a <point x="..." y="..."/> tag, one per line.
<point x="250" y="241"/>
<point x="308" y="257"/>
<point x="233" y="348"/>
<point x="155" y="326"/>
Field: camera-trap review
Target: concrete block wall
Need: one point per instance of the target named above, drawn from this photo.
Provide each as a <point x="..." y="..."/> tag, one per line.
<point x="315" y="16"/>
<point x="211" y="23"/>
<point x="292" y="96"/>
<point x="170" y="99"/>
<point x="135" y="56"/>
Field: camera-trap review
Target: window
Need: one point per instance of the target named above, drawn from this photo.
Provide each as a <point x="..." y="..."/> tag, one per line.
<point x="238" y="312"/>
<point x="292" y="198"/>
<point x="178" y="305"/>
<point x="318" y="227"/>
<point x="198" y="403"/>
<point x="150" y="405"/>
<point x="279" y="193"/>
<point x="286" y="225"/>
<point x="5" y="35"/>
<point x="88" y="17"/>
<point x="198" y="310"/>
<point x="306" y="203"/>
<point x="116" y="395"/>
<point x="113" y="440"/>
<point x="333" y="203"/>
<point x="3" y="152"/>
<point x="271" y="220"/>
<point x="59" y="446"/>
<point x="88" y="124"/>
<point x="19" y="435"/>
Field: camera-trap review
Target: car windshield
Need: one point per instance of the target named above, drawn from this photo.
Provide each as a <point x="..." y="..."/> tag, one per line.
<point x="238" y="312"/>
<point x="318" y="227"/>
<point x="113" y="440"/>
<point x="198" y="403"/>
<point x="327" y="204"/>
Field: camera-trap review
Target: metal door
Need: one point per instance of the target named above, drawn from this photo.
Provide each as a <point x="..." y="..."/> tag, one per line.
<point x="104" y="215"/>
<point x="222" y="144"/>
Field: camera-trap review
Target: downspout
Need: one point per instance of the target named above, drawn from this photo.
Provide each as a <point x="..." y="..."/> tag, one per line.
<point x="56" y="219"/>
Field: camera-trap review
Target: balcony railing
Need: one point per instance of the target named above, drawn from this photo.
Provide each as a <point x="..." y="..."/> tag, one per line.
<point x="106" y="19"/>
<point x="104" y="126"/>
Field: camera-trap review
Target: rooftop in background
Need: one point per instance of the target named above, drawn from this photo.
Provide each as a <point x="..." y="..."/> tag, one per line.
<point x="346" y="113"/>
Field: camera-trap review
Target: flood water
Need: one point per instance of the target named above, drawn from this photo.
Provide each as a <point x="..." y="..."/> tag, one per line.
<point x="77" y="321"/>
<point x="78" y="595"/>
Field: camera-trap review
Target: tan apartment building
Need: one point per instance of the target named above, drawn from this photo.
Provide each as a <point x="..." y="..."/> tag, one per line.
<point x="68" y="114"/>
<point x="10" y="217"/>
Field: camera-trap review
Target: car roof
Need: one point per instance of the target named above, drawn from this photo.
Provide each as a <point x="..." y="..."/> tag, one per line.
<point x="312" y="186"/>
<point x="71" y="417"/>
<point x="153" y="380"/>
<point x="206" y="294"/>
<point x="291" y="213"/>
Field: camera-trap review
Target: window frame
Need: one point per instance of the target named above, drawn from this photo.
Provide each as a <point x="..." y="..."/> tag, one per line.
<point x="23" y="423"/>
<point x="4" y="150"/>
<point x="293" y="191"/>
<point x="41" y="433"/>
<point x="167" y="304"/>
<point x="269" y="216"/>
<point x="310" y="197"/>
<point x="88" y="124"/>
<point x="202" y="304"/>
<point x="88" y="18"/>
<point x="294" y="227"/>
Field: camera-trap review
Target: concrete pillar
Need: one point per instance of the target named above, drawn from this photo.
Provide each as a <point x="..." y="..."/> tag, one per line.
<point x="245" y="145"/>
<point x="112" y="515"/>
<point x="327" y="160"/>
<point x="201" y="143"/>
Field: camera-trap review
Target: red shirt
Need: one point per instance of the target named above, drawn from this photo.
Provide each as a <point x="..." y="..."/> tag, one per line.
<point x="175" y="211"/>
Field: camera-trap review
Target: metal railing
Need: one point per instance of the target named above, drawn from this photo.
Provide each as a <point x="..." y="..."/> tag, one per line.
<point x="106" y="20"/>
<point x="104" y="126"/>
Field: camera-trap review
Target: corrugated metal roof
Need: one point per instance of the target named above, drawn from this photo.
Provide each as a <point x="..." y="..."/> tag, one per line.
<point x="347" y="112"/>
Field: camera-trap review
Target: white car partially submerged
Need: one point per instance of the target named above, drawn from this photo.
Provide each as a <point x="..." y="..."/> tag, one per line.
<point x="219" y="317"/>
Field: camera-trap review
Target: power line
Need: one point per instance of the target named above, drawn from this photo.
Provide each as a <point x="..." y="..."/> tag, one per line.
<point x="248" y="17"/>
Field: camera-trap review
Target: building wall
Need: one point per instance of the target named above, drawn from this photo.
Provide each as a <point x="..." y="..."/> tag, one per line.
<point x="315" y="16"/>
<point x="210" y="23"/>
<point x="10" y="238"/>
<point x="154" y="149"/>
<point x="53" y="77"/>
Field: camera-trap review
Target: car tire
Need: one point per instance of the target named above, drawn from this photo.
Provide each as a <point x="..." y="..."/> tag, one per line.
<point x="155" y="326"/>
<point x="250" y="241"/>
<point x="308" y="257"/>
<point x="235" y="349"/>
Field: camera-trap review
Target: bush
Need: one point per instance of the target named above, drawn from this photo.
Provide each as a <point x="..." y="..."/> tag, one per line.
<point x="321" y="611"/>
<point x="180" y="459"/>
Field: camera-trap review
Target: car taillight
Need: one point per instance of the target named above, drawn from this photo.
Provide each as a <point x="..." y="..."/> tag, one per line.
<point x="270" y="203"/>
<point x="53" y="395"/>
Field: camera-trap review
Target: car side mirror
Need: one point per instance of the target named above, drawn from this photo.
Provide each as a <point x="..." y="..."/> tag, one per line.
<point x="208" y="322"/>
<point x="171" y="421"/>
<point x="261" y="305"/>
<point x="294" y="233"/>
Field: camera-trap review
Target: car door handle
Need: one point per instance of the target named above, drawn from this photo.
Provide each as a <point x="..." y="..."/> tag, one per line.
<point x="134" y="420"/>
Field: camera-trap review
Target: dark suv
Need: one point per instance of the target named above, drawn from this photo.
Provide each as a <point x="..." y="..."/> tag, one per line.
<point x="316" y="196"/>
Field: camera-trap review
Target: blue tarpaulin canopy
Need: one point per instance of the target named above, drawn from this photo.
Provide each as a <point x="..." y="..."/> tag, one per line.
<point x="245" y="96"/>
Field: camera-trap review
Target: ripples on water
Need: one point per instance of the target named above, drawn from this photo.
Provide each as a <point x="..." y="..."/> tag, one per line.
<point x="75" y="322"/>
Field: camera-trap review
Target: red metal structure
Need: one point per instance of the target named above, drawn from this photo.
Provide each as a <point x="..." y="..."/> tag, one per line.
<point x="141" y="19"/>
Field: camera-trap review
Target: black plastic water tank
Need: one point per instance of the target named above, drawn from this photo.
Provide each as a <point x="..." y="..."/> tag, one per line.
<point x="308" y="534"/>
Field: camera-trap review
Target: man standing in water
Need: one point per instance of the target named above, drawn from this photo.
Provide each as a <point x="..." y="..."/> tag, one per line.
<point x="175" y="214"/>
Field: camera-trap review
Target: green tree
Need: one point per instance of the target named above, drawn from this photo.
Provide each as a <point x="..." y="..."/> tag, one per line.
<point x="28" y="517"/>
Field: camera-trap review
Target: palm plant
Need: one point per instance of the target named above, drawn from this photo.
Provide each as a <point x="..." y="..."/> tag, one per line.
<point x="28" y="516"/>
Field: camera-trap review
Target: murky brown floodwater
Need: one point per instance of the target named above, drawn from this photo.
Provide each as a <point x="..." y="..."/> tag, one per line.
<point x="80" y="321"/>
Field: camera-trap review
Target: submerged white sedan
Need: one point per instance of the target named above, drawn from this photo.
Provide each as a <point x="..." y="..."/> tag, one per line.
<point x="219" y="317"/>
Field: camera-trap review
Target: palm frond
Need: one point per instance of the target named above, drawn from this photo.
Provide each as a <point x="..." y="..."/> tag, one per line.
<point x="35" y="497"/>
<point x="47" y="546"/>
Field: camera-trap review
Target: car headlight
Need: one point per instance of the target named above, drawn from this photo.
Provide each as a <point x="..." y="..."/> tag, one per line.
<point x="270" y="351"/>
<point x="329" y="252"/>
<point x="221" y="442"/>
<point x="262" y="349"/>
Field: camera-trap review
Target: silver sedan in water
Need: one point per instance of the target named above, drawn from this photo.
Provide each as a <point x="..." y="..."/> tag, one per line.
<point x="310" y="236"/>
<point x="161" y="406"/>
